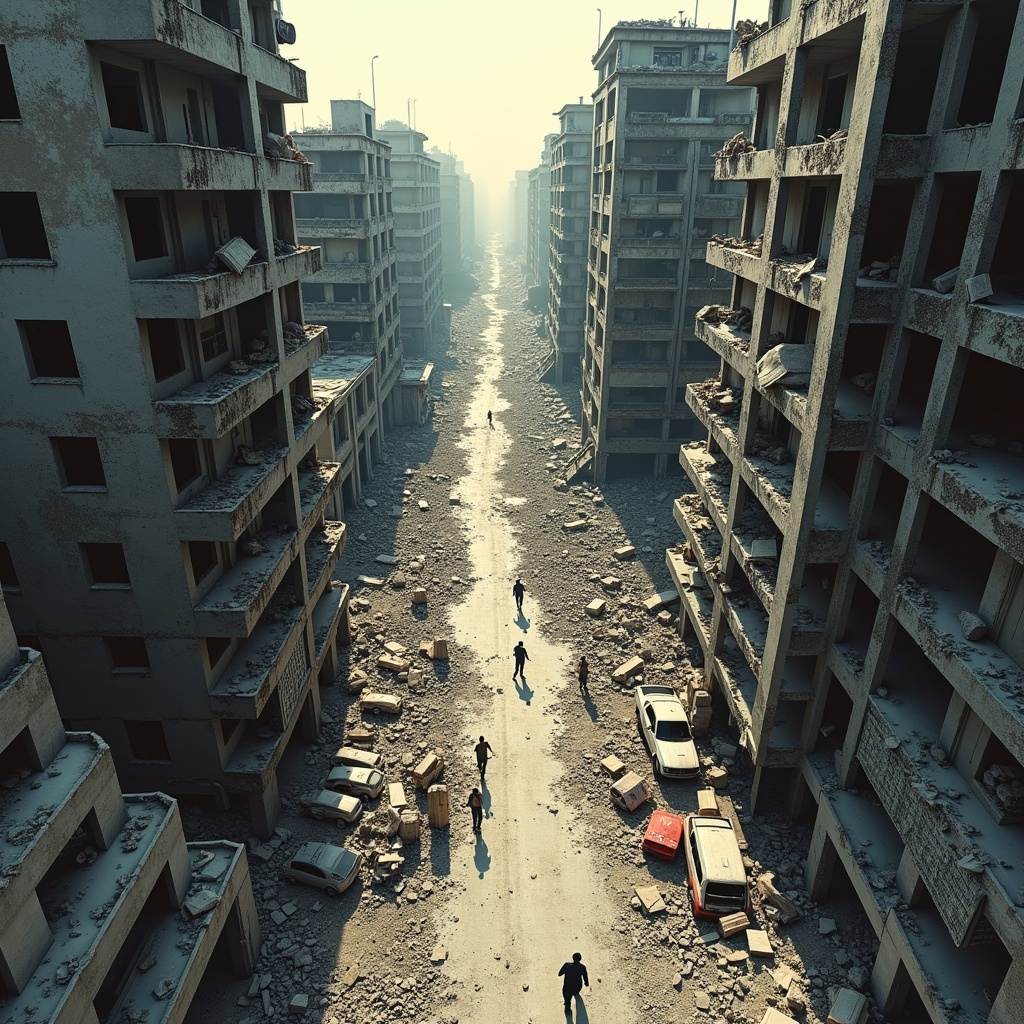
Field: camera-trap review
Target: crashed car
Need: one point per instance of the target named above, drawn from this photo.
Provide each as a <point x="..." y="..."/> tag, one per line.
<point x="665" y="728"/>
<point x="343" y="808"/>
<point x="362" y="782"/>
<point x="378" y="702"/>
<point x="358" y="758"/>
<point x="331" y="869"/>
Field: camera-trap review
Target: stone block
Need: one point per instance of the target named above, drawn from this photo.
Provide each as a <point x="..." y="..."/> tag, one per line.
<point x="596" y="607"/>
<point x="625" y="552"/>
<point x="759" y="943"/>
<point x="575" y="525"/>
<point x="707" y="802"/>
<point x="946" y="282"/>
<point x="979" y="288"/>
<point x="611" y="582"/>
<point x="370" y="581"/>
<point x="718" y="777"/>
<point x="299" y="1004"/>
<point x="652" y="604"/>
<point x="628" y="669"/>
<point x="611" y="765"/>
<point x="390" y="663"/>
<point x="733" y="924"/>
<point x="419" y="596"/>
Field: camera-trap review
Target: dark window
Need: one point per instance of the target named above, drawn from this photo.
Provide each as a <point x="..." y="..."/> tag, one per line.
<point x="147" y="741"/>
<point x="146" y="226"/>
<point x="194" y="119"/>
<point x="164" y="348"/>
<point x="128" y="653"/>
<point x="833" y="104"/>
<point x="203" y="556"/>
<point x="8" y="97"/>
<point x="80" y="462"/>
<point x="666" y="58"/>
<point x="22" y="235"/>
<point x="107" y="564"/>
<point x="8" y="577"/>
<point x="48" y="348"/>
<point x="215" y="648"/>
<point x="214" y="338"/>
<point x="122" y="88"/>
<point x="184" y="462"/>
<point x="227" y="728"/>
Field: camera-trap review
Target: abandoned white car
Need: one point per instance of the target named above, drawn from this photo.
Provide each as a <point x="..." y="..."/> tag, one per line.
<point x="665" y="728"/>
<point x="329" y="868"/>
<point x="358" y="758"/>
<point x="378" y="702"/>
<point x="362" y="782"/>
<point x="329" y="806"/>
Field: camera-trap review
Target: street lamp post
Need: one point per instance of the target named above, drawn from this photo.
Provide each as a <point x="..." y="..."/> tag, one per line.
<point x="373" y="85"/>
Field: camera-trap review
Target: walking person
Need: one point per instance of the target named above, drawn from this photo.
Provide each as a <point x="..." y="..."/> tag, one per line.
<point x="583" y="672"/>
<point x="482" y="749"/>
<point x="574" y="977"/>
<point x="518" y="590"/>
<point x="490" y="419"/>
<point x="475" y="803"/>
<point x="519" y="653"/>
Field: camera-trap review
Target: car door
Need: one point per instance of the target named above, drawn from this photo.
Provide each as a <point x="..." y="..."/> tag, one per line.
<point x="650" y="725"/>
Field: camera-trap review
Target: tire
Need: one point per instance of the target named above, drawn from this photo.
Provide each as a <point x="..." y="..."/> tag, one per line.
<point x="330" y="891"/>
<point x="376" y="711"/>
<point x="657" y="766"/>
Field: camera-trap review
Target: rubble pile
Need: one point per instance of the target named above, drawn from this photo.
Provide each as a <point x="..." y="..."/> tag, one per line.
<point x="736" y="146"/>
<point x="881" y="270"/>
<point x="743" y="244"/>
<point x="746" y="30"/>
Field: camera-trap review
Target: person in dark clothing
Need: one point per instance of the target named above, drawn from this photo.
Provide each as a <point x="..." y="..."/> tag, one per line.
<point x="574" y="977"/>
<point x="518" y="590"/>
<point x="583" y="672"/>
<point x="519" y="653"/>
<point x="482" y="749"/>
<point x="490" y="419"/>
<point x="475" y="803"/>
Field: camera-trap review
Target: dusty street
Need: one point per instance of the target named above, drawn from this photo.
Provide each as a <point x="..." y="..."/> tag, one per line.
<point x="473" y="929"/>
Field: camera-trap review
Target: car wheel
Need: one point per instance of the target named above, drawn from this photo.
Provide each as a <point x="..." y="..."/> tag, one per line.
<point x="331" y="891"/>
<point x="376" y="711"/>
<point x="657" y="765"/>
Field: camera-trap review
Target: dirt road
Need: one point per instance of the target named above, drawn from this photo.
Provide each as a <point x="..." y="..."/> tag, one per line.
<point x="531" y="895"/>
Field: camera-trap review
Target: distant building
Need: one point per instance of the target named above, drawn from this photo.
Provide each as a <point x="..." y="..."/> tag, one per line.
<point x="538" y="225"/>
<point x="661" y="111"/>
<point x="163" y="538"/>
<point x="519" y="207"/>
<point x="456" y="215"/>
<point x="350" y="215"/>
<point x="98" y="887"/>
<point x="567" y="245"/>
<point x="417" y="205"/>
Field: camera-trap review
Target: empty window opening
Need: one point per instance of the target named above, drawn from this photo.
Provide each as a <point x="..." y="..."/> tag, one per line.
<point x="841" y="470"/>
<point x="202" y="555"/>
<point x="833" y="103"/>
<point x="128" y="653"/>
<point x="216" y="648"/>
<point x="9" y="110"/>
<point x="107" y="565"/>
<point x="682" y="430"/>
<point x="228" y="727"/>
<point x="213" y="336"/>
<point x="147" y="741"/>
<point x="227" y="115"/>
<point x="648" y="397"/>
<point x="920" y="685"/>
<point x="622" y="466"/>
<point x="1007" y="269"/>
<point x="914" y="78"/>
<point x="241" y="214"/>
<point x="673" y="103"/>
<point x="195" y="126"/>
<point x="884" y="511"/>
<point x="165" y="352"/>
<point x="79" y="461"/>
<point x="815" y="204"/>
<point x="988" y="405"/>
<point x="862" y="354"/>
<point x="146" y="227"/>
<point x="860" y="619"/>
<point x="951" y="223"/>
<point x="8" y="576"/>
<point x="835" y="716"/>
<point x="995" y="24"/>
<point x="218" y="11"/>
<point x="48" y="349"/>
<point x="888" y="217"/>
<point x="22" y="234"/>
<point x="995" y="775"/>
<point x="186" y="465"/>
<point x="918" y="360"/>
<point x="122" y="89"/>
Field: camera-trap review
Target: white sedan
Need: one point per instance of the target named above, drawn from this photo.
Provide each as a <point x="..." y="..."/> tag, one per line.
<point x="378" y="702"/>
<point x="665" y="729"/>
<point x="325" y="804"/>
<point x="362" y="782"/>
<point x="358" y="758"/>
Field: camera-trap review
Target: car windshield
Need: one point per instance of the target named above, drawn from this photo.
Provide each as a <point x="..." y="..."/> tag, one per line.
<point x="343" y="865"/>
<point x="722" y="894"/>
<point x="674" y="729"/>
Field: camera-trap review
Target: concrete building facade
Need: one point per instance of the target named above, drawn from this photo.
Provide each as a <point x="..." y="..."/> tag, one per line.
<point x="164" y="539"/>
<point x="661" y="111"/>
<point x="567" y="244"/>
<point x="456" y="202"/>
<point x="350" y="215"/>
<point x="417" y="204"/>
<point x="538" y="225"/>
<point x="853" y="566"/>
<point x="519" y="206"/>
<point x="99" y="887"/>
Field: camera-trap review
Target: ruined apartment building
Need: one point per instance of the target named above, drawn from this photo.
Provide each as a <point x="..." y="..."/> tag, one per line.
<point x="567" y="243"/>
<point x="456" y="215"/>
<point x="350" y="215"/>
<point x="856" y="543"/>
<point x="538" y="226"/>
<point x="163" y="539"/>
<point x="106" y="913"/>
<point x="661" y="111"/>
<point x="417" y="205"/>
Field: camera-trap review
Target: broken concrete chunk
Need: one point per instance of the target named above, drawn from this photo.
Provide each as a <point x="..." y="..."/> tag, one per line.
<point x="946" y="282"/>
<point x="203" y="901"/>
<point x="575" y="525"/>
<point x="438" y="955"/>
<point x="611" y="582"/>
<point x="386" y="559"/>
<point x="370" y="581"/>
<point x="652" y="604"/>
<point x="733" y="924"/>
<point x="718" y="776"/>
<point x="650" y="899"/>
<point x="390" y="663"/>
<point x="848" y="1007"/>
<point x="419" y="596"/>
<point x="826" y="926"/>
<point x="972" y="626"/>
<point x="979" y="288"/>
<point x="613" y="766"/>
<point x="625" y="552"/>
<point x="299" y="1004"/>
<point x="759" y="943"/>
<point x="596" y="608"/>
<point x="628" y="669"/>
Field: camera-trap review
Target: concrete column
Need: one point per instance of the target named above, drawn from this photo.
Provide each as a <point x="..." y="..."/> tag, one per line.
<point x="242" y="931"/>
<point x="1008" y="1007"/>
<point x="890" y="982"/>
<point x="26" y="938"/>
<point x="265" y="808"/>
<point x="821" y="860"/>
<point x="908" y="879"/>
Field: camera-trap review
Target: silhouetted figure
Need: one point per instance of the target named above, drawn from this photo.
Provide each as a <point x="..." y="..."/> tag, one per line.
<point x="475" y="803"/>
<point x="583" y="671"/>
<point x="490" y="419"/>
<point x="518" y="590"/>
<point x="574" y="977"/>
<point x="482" y="749"/>
<point x="519" y="653"/>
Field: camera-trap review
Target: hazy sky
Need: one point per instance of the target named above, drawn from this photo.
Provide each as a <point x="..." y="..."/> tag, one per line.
<point x="486" y="77"/>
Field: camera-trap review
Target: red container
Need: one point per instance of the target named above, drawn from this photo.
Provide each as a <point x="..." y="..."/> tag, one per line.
<point x="663" y="835"/>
